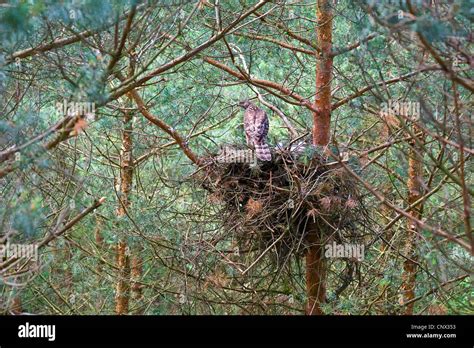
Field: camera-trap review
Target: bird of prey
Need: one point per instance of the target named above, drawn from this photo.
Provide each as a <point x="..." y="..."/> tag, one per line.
<point x="256" y="129"/>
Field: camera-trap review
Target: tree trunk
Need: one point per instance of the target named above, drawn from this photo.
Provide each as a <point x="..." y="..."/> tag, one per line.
<point x="315" y="271"/>
<point x="136" y="274"/>
<point x="16" y="308"/>
<point x="126" y="176"/>
<point x="415" y="192"/>
<point x="99" y="243"/>
<point x="315" y="262"/>
<point x="68" y="275"/>
<point x="322" y="118"/>
<point x="126" y="165"/>
<point x="122" y="293"/>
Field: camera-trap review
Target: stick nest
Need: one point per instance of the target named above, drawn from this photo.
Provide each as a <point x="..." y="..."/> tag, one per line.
<point x="268" y="207"/>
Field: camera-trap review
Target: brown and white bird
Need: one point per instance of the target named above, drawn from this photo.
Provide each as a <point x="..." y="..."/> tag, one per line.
<point x="256" y="129"/>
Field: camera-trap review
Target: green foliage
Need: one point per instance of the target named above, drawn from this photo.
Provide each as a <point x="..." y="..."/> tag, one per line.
<point x="172" y="223"/>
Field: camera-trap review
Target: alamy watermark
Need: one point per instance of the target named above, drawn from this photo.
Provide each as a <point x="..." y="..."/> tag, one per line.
<point x="37" y="331"/>
<point x="400" y="108"/>
<point x="345" y="250"/>
<point x="10" y="250"/>
<point x="86" y="109"/>
<point x="232" y="155"/>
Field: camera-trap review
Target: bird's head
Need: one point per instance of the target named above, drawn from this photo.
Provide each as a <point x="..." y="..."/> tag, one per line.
<point x="244" y="103"/>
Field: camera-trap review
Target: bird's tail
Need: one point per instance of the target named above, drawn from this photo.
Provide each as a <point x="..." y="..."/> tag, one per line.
<point x="262" y="151"/>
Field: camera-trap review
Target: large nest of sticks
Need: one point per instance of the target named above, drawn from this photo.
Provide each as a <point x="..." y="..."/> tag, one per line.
<point x="268" y="206"/>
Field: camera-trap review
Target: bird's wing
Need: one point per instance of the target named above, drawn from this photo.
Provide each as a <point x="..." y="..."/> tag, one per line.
<point x="261" y="126"/>
<point x="249" y="126"/>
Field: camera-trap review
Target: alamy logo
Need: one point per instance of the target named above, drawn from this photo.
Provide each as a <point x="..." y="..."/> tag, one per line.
<point x="28" y="251"/>
<point x="348" y="251"/>
<point x="231" y="155"/>
<point x="85" y="109"/>
<point x="33" y="331"/>
<point x="395" y="107"/>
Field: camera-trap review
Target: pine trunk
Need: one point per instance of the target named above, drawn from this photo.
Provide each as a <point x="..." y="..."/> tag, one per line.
<point x="16" y="307"/>
<point x="315" y="271"/>
<point x="315" y="262"/>
<point x="415" y="189"/>
<point x="122" y="294"/>
<point x="126" y="176"/>
<point x="136" y="274"/>
<point x="322" y="118"/>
